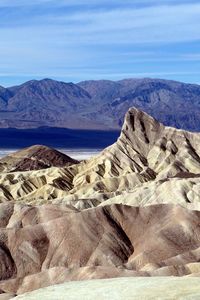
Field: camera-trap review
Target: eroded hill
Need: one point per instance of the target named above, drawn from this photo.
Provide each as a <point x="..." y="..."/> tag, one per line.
<point x="132" y="210"/>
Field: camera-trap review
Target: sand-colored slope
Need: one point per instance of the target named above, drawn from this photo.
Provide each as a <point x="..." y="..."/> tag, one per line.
<point x="183" y="191"/>
<point x="35" y="158"/>
<point x="144" y="146"/>
<point x="115" y="215"/>
<point x="142" y="165"/>
<point x="35" y="186"/>
<point x="149" y="163"/>
<point x="160" y="288"/>
<point x="50" y="244"/>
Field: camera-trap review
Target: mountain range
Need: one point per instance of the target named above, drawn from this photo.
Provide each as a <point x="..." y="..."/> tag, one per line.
<point x="99" y="105"/>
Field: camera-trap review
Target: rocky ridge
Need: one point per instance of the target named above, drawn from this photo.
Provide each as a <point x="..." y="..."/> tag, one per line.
<point x="141" y="168"/>
<point x="133" y="210"/>
<point x="35" y="158"/>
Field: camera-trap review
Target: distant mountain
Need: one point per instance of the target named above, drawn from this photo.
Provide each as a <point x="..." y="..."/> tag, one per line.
<point x="172" y="103"/>
<point x="43" y="103"/>
<point x="98" y="104"/>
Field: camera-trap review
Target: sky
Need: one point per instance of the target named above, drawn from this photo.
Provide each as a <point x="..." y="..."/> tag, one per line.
<point x="75" y="40"/>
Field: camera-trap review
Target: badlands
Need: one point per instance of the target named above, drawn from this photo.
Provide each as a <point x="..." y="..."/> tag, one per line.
<point x="132" y="212"/>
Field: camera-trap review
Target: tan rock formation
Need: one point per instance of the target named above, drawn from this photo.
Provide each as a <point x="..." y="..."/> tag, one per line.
<point x="49" y="244"/>
<point x="35" y="158"/>
<point x="148" y="164"/>
<point x="133" y="210"/>
<point x="145" y="150"/>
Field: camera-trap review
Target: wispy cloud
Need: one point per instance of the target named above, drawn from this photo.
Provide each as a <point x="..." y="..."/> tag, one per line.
<point x="153" y="24"/>
<point x="74" y="37"/>
<point x="169" y="23"/>
<point x="191" y="57"/>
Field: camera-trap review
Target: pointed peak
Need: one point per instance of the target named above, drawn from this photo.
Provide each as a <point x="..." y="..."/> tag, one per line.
<point x="140" y="129"/>
<point x="136" y="117"/>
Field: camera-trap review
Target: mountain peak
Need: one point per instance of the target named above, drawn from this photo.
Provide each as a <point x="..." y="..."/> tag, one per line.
<point x="140" y="129"/>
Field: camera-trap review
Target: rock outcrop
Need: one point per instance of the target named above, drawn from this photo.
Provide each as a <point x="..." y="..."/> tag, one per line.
<point x="36" y="157"/>
<point x="146" y="156"/>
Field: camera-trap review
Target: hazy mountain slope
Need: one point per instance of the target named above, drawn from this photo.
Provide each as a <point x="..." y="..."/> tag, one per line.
<point x="46" y="103"/>
<point x="98" y="104"/>
<point x="172" y="103"/>
<point x="48" y="94"/>
<point x="103" y="91"/>
<point x="5" y="94"/>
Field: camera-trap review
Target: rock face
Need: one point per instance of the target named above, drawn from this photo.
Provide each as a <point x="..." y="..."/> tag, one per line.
<point x="133" y="210"/>
<point x="98" y="104"/>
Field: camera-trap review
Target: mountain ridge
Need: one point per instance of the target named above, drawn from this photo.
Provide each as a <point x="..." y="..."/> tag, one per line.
<point x="98" y="104"/>
<point x="146" y="156"/>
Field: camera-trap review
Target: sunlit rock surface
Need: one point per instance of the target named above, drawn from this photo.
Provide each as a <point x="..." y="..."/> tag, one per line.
<point x="133" y="210"/>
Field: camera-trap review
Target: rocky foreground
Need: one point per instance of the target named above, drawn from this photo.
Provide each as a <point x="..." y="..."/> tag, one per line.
<point x="131" y="211"/>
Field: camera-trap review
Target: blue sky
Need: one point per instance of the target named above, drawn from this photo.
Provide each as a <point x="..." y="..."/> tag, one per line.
<point x="74" y="40"/>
